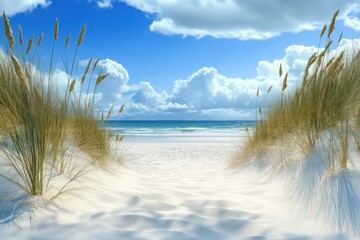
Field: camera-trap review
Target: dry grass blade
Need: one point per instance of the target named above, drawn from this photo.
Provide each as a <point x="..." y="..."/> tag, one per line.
<point x="258" y="92"/>
<point x="38" y="95"/>
<point x="330" y="62"/>
<point x="328" y="46"/>
<point x="269" y="89"/>
<point x="335" y="66"/>
<point x="339" y="40"/>
<point x="322" y="54"/>
<point x="280" y="70"/>
<point x="310" y="62"/>
<point x="119" y="139"/>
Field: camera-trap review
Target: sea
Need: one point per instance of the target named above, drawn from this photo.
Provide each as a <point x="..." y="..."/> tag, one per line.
<point x="179" y="130"/>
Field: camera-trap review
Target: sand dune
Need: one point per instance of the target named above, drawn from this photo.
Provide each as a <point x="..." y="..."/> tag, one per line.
<point x="168" y="190"/>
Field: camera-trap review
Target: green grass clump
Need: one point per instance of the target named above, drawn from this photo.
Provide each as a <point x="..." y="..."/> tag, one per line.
<point x="327" y="98"/>
<point x="36" y="121"/>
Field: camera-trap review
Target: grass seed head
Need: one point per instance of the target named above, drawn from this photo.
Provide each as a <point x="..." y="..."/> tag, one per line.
<point x="72" y="85"/>
<point x="95" y="64"/>
<point x="30" y="44"/>
<point x="86" y="70"/>
<point x="19" y="71"/>
<point x="323" y="30"/>
<point x="20" y="35"/>
<point x="285" y="82"/>
<point x="67" y="40"/>
<point x="101" y="77"/>
<point x="8" y="31"/>
<point x="40" y="39"/>
<point x="122" y="108"/>
<point x="56" y="30"/>
<point x="81" y="35"/>
<point x="332" y="24"/>
<point x="109" y="113"/>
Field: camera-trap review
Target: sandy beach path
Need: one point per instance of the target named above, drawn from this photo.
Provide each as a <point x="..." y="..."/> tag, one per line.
<point x="169" y="190"/>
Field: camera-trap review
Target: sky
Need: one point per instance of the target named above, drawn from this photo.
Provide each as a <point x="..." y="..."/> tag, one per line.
<point x="183" y="59"/>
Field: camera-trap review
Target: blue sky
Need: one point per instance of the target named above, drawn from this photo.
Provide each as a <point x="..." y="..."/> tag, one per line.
<point x="172" y="59"/>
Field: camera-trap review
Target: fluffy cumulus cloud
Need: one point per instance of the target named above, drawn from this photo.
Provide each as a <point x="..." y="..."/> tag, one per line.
<point x="115" y="83"/>
<point x="207" y="89"/>
<point x="206" y="93"/>
<point x="12" y="7"/>
<point x="351" y="18"/>
<point x="246" y="19"/>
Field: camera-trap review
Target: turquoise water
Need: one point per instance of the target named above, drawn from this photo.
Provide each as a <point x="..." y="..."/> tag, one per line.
<point x="135" y="130"/>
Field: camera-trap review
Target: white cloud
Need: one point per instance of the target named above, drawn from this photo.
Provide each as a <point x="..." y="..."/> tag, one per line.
<point x="146" y="95"/>
<point x="351" y="19"/>
<point x="206" y="93"/>
<point x="246" y="19"/>
<point x="104" y="4"/>
<point x="117" y="80"/>
<point x="12" y="7"/>
<point x="207" y="89"/>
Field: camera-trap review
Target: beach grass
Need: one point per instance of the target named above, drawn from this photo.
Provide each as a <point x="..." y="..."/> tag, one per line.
<point x="38" y="121"/>
<point x="328" y="97"/>
<point x="311" y="133"/>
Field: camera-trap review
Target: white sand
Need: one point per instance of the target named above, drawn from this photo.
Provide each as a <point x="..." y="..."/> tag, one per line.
<point x="168" y="190"/>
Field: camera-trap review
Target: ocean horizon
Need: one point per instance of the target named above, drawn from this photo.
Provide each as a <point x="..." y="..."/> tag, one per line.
<point x="178" y="129"/>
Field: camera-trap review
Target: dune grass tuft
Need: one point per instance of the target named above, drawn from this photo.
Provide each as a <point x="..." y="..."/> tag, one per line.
<point x="327" y="98"/>
<point x="37" y="121"/>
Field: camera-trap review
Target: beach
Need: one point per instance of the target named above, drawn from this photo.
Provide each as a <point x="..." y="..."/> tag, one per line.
<point x="136" y="134"/>
<point x="171" y="188"/>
